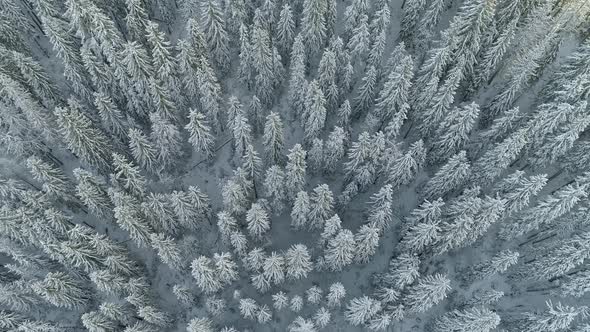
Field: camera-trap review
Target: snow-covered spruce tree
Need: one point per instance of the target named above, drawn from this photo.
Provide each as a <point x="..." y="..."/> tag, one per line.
<point x="225" y="268"/>
<point x="61" y="290"/>
<point x="392" y="102"/>
<point x="167" y="250"/>
<point x="334" y="149"/>
<point x="200" y="137"/>
<point x="451" y="176"/>
<point x="264" y="314"/>
<point x="367" y="241"/>
<point x="359" y="42"/>
<point x="402" y="170"/>
<point x="128" y="176"/>
<point x="412" y="11"/>
<point x="301" y="324"/>
<point x="258" y="220"/>
<point x="313" y="24"/>
<point x="453" y="132"/>
<point x="300" y="211"/>
<point x="226" y="224"/>
<point x="298" y="262"/>
<point x="82" y="138"/>
<point x="18" y="296"/>
<point x="136" y="19"/>
<point x="381" y="207"/>
<point x="499" y="263"/>
<point x="556" y="318"/>
<point x="66" y="46"/>
<point x="546" y="211"/>
<point x="316" y="155"/>
<point x="274" y="187"/>
<point x="335" y="295"/>
<point x="491" y="211"/>
<point x="251" y="164"/>
<point x="429" y="291"/>
<point x="242" y="132"/>
<point x="557" y="144"/>
<point x="439" y="103"/>
<point x="162" y="100"/>
<point x="128" y="215"/>
<point x="366" y="92"/>
<point x="274" y="268"/>
<point x="162" y="56"/>
<point x="492" y="57"/>
<point x="214" y="27"/>
<point x="297" y="81"/>
<point x="285" y="29"/>
<point x="361" y="309"/>
<point x="340" y="250"/>
<point x="296" y="303"/>
<point x="472" y="320"/>
<point x="205" y="273"/>
<point x="377" y="49"/>
<point x="327" y="78"/>
<point x="295" y="170"/>
<point x="525" y="69"/>
<point x="403" y="271"/>
<point x="110" y="115"/>
<point x="263" y="63"/>
<point x="235" y="196"/>
<point x="314" y="112"/>
<point x="95" y="321"/>
<point x="273" y="139"/>
<point x="563" y="257"/>
<point x="344" y="113"/>
<point x="256" y="112"/>
<point x="502" y="125"/>
<point x="200" y="325"/>
<point x="108" y="282"/>
<point x="280" y="300"/>
<point x="321" y="206"/>
<point x="260" y="282"/>
<point x="248" y="308"/>
<point x="548" y="119"/>
<point x="576" y="285"/>
<point x="167" y="140"/>
<point x="142" y="150"/>
<point x="366" y="159"/>
<point x="154" y="316"/>
<point x="314" y="294"/>
<point x="322" y="317"/>
<point x="234" y="108"/>
<point x="517" y="190"/>
<point x="498" y="157"/>
<point x="54" y="181"/>
<point x="459" y="220"/>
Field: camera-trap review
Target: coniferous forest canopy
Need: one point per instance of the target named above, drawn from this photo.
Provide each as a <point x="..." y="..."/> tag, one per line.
<point x="299" y="166"/>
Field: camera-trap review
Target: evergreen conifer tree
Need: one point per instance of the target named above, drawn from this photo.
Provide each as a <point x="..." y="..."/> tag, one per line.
<point x="313" y="24"/>
<point x="142" y="150"/>
<point x="340" y="250"/>
<point x="361" y="309"/>
<point x="82" y="138"/>
<point x="429" y="291"/>
<point x="214" y="27"/>
<point x="273" y="139"/>
<point x="450" y="176"/>
<point x="295" y="170"/>
<point x="472" y="319"/>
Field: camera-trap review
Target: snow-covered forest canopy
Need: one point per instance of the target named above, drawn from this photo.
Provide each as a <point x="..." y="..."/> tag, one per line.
<point x="300" y="166"/>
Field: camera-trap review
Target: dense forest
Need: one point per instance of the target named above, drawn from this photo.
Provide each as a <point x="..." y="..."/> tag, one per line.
<point x="300" y="166"/>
